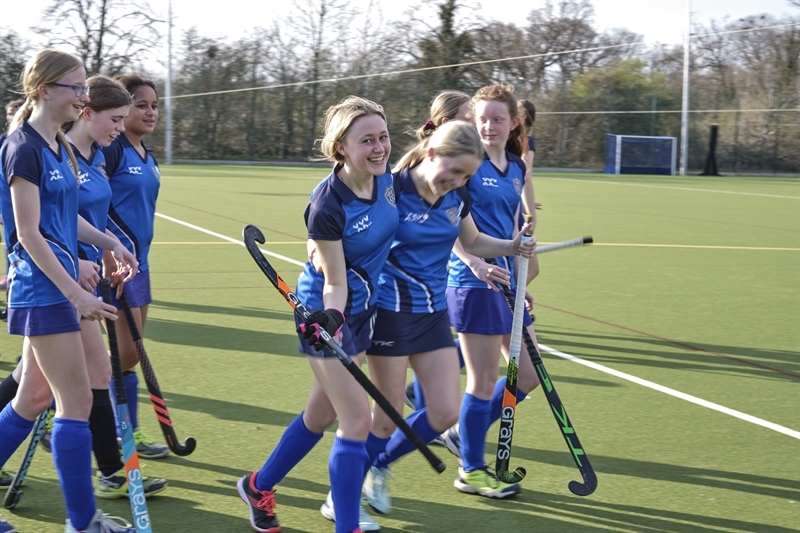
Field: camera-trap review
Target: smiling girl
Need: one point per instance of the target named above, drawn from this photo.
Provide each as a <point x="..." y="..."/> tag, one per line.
<point x="351" y="220"/>
<point x="39" y="194"/>
<point x="135" y="180"/>
<point x="412" y="324"/>
<point x="478" y="311"/>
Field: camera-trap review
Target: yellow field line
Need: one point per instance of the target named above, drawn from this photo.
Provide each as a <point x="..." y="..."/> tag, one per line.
<point x="695" y="246"/>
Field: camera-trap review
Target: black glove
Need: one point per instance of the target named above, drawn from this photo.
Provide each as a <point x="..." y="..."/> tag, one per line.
<point x="331" y="320"/>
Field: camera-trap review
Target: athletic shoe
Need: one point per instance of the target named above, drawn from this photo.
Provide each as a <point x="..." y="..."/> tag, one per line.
<point x="376" y="489"/>
<point x="6" y="478"/>
<point x="102" y="523"/>
<point x="116" y="485"/>
<point x="47" y="434"/>
<point x="5" y="527"/>
<point x="451" y="439"/>
<point x="365" y="521"/>
<point x="410" y="396"/>
<point x="147" y="448"/>
<point x="261" y="503"/>
<point x="485" y="483"/>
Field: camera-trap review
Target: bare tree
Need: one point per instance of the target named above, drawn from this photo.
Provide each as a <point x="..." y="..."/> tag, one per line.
<point x="13" y="52"/>
<point x="108" y="35"/>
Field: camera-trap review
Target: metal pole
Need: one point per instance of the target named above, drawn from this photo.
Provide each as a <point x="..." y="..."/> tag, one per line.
<point x="168" y="91"/>
<point x="685" y="100"/>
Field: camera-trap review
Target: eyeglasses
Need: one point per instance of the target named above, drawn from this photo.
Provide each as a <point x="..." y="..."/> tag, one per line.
<point x="80" y="90"/>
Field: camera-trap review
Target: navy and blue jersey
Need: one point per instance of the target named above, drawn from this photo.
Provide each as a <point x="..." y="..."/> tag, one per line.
<point x="28" y="156"/>
<point x="414" y="277"/>
<point x="496" y="197"/>
<point x="94" y="197"/>
<point x="366" y="228"/>
<point x="134" y="184"/>
<point x="531" y="144"/>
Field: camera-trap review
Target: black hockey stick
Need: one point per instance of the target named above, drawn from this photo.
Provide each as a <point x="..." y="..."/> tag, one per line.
<point x="133" y="472"/>
<point x="14" y="493"/>
<point x="159" y="405"/>
<point x="580" y="241"/>
<point x="509" y="407"/>
<point x="252" y="235"/>
<point x="567" y="431"/>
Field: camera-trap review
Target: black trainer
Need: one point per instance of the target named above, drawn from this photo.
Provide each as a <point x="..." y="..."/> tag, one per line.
<point x="261" y="503"/>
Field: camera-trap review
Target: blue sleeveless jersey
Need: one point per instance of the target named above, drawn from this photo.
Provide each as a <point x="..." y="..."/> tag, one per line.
<point x="94" y="197"/>
<point x="134" y="189"/>
<point x="366" y="229"/>
<point x="495" y="196"/>
<point x="26" y="154"/>
<point x="414" y="277"/>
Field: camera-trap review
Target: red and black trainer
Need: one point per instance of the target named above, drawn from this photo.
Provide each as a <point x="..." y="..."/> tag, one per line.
<point x="261" y="503"/>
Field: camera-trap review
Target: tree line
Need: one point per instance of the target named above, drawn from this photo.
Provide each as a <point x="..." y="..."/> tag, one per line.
<point x="584" y="82"/>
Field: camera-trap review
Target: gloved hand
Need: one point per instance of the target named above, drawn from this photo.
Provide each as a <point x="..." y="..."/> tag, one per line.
<point x="331" y="320"/>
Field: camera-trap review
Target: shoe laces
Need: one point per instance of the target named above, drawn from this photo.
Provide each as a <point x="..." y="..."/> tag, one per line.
<point x="267" y="502"/>
<point x="140" y="437"/>
<point x="113" y="524"/>
<point x="379" y="479"/>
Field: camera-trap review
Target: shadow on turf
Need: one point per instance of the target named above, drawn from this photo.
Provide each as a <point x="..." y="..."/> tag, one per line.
<point x="248" y="312"/>
<point x="687" y="359"/>
<point x="786" y="489"/>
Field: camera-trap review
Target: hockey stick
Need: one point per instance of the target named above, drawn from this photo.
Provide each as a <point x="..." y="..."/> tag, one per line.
<point x="570" y="436"/>
<point x="13" y="494"/>
<point x="252" y="235"/>
<point x="159" y="405"/>
<point x="141" y="517"/>
<point x="509" y="408"/>
<point x="580" y="241"/>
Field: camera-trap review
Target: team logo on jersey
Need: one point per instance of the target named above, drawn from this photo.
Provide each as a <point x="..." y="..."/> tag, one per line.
<point x="56" y="175"/>
<point x="83" y="178"/>
<point x="102" y="168"/>
<point x="416" y="217"/>
<point x="362" y="224"/>
<point x="490" y="182"/>
<point x="156" y="172"/>
<point x="135" y="170"/>
<point x="453" y="212"/>
<point x="517" y="186"/>
<point x="389" y="194"/>
<point x="382" y="343"/>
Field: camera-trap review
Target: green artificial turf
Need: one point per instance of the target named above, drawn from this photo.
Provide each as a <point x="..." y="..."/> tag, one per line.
<point x="712" y="311"/>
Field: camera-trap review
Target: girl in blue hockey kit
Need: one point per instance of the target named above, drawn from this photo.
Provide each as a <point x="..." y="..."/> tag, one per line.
<point x="351" y="220"/>
<point x="39" y="195"/>
<point x="478" y="311"/>
<point x="412" y="324"/>
<point x="135" y="180"/>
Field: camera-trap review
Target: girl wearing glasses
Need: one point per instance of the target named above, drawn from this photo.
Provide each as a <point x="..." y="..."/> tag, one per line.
<point x="135" y="179"/>
<point x="39" y="195"/>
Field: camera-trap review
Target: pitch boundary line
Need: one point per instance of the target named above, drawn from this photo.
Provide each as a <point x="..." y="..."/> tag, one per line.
<point x="673" y="188"/>
<point x="672" y="392"/>
<point x="590" y="364"/>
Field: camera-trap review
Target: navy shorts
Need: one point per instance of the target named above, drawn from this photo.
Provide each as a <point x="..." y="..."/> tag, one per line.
<point x="48" y="320"/>
<point x="410" y="333"/>
<point x="137" y="290"/>
<point x="356" y="335"/>
<point x="481" y="311"/>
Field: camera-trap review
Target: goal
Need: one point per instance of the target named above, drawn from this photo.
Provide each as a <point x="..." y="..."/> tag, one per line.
<point x="638" y="154"/>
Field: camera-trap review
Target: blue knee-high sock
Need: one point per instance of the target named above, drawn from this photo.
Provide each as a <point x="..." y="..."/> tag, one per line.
<point x="473" y="424"/>
<point x="399" y="445"/>
<point x="375" y="447"/>
<point x="346" y="464"/>
<point x="13" y="431"/>
<point x="131" y="382"/>
<point x="72" y="455"/>
<point x="295" y="444"/>
<point x="497" y="399"/>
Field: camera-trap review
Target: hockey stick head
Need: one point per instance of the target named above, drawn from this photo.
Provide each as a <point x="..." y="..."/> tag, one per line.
<point x="512" y="477"/>
<point x="588" y="239"/>
<point x="251" y="233"/>
<point x="587" y="487"/>
<point x="12" y="498"/>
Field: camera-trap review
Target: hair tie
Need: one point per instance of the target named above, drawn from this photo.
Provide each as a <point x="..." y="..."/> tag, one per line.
<point x="429" y="125"/>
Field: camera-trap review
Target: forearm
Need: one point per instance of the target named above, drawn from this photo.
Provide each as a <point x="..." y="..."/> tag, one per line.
<point x="469" y="259"/>
<point x="487" y="246"/>
<point x="91" y="235"/>
<point x="334" y="296"/>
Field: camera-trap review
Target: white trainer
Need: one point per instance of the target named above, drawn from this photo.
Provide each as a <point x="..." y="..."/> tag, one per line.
<point x="365" y="521"/>
<point x="376" y="489"/>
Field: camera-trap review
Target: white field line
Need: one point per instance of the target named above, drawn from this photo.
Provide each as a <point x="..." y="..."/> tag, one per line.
<point x="590" y="364"/>
<point x="667" y="187"/>
<point x="672" y="392"/>
<point x="229" y="239"/>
